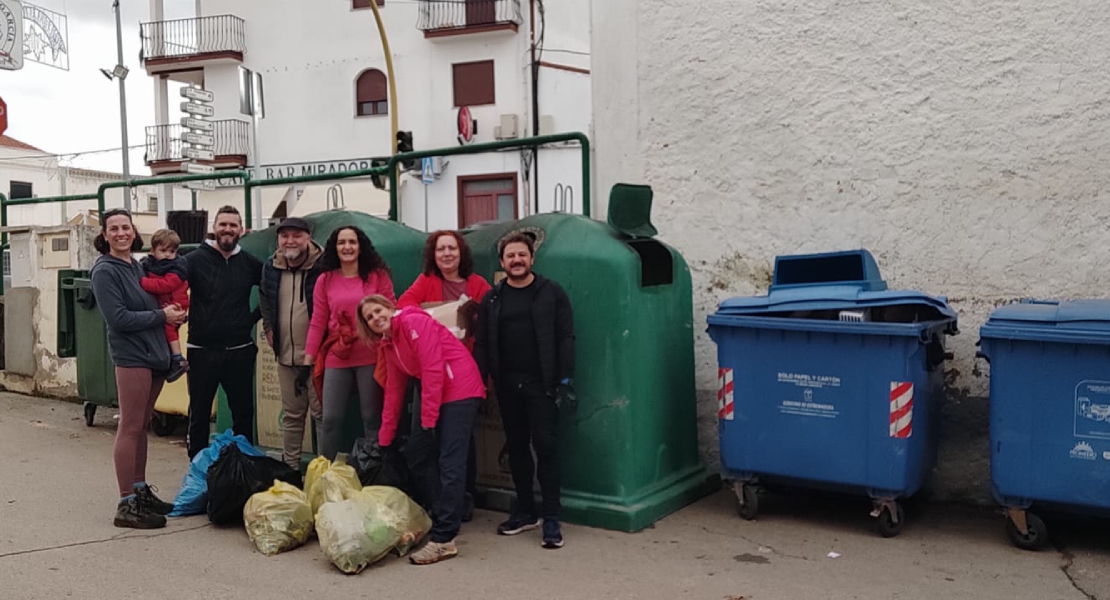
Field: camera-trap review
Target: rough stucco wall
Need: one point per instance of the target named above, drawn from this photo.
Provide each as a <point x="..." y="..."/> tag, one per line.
<point x="964" y="145"/>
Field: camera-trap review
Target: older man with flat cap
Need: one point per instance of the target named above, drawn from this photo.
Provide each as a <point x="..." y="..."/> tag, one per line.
<point x="285" y="299"/>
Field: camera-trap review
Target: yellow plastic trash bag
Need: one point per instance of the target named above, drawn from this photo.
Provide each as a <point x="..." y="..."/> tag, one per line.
<point x="356" y="532"/>
<point x="402" y="513"/>
<point x="278" y="519"/>
<point x="330" y="482"/>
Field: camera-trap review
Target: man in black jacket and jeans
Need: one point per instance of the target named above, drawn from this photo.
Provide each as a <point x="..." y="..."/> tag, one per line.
<point x="525" y="343"/>
<point x="221" y="329"/>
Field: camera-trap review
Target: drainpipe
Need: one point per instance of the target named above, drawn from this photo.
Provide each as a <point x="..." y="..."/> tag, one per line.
<point x="535" y="111"/>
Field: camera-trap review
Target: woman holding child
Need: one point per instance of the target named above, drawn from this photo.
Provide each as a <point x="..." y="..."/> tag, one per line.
<point x="141" y="355"/>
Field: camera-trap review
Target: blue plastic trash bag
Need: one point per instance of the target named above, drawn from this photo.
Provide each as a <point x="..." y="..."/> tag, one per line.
<point x="193" y="497"/>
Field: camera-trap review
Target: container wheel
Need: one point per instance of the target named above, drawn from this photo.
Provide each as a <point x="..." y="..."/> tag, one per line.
<point x="163" y="424"/>
<point x="1034" y="539"/>
<point x="748" y="502"/>
<point x="90" y="414"/>
<point x="887" y="527"/>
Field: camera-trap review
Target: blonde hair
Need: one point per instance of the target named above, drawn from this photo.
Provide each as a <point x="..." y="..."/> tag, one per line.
<point x="364" y="330"/>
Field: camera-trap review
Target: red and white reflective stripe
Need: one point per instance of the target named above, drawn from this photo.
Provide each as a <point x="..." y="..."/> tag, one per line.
<point x="901" y="409"/>
<point x="724" y="394"/>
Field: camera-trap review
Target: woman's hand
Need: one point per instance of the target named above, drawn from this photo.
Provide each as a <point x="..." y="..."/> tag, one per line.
<point x="174" y="314"/>
<point x="309" y="360"/>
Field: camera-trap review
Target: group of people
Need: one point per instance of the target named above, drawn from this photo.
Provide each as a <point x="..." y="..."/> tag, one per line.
<point x="331" y="317"/>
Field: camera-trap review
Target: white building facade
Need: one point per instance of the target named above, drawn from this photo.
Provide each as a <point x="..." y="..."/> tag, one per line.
<point x="327" y="107"/>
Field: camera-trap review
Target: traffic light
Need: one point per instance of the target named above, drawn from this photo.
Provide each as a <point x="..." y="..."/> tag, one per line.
<point x="404" y="144"/>
<point x="377" y="179"/>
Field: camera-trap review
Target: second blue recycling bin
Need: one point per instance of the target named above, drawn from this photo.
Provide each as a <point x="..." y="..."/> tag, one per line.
<point x="831" y="381"/>
<point x="1049" y="411"/>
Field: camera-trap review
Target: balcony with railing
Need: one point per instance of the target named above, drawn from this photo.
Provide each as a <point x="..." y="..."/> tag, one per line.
<point x="190" y="43"/>
<point x="441" y="18"/>
<point x="165" y="146"/>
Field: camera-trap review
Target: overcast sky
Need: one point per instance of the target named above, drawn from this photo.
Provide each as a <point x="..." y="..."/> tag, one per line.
<point x="78" y="110"/>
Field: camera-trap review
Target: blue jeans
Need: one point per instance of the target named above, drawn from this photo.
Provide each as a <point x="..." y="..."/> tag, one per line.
<point x="438" y="462"/>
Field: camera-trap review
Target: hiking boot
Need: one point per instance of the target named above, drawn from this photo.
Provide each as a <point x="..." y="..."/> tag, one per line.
<point x="130" y="513"/>
<point x="518" y="524"/>
<point x="468" y="509"/>
<point x="552" y="534"/>
<point x="177" y="369"/>
<point x="149" y="501"/>
<point x="433" y="552"/>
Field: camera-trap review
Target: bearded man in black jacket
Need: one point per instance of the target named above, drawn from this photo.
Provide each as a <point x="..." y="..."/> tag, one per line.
<point x="221" y="349"/>
<point x="525" y="344"/>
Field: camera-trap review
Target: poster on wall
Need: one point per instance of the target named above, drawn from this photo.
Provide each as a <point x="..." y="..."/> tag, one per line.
<point x="11" y="35"/>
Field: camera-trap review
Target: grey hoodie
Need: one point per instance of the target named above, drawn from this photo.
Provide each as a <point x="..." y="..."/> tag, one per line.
<point x="136" y="332"/>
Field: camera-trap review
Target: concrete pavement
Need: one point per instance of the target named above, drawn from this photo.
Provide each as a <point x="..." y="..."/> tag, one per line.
<point x="57" y="499"/>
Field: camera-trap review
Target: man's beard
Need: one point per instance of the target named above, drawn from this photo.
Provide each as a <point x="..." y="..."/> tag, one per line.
<point x="294" y="255"/>
<point x="227" y="243"/>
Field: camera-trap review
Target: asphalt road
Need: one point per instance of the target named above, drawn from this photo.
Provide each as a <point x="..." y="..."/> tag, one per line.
<point x="57" y="499"/>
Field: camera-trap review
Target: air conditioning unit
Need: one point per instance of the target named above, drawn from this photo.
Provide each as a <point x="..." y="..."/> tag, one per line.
<point x="547" y="125"/>
<point x="507" y="130"/>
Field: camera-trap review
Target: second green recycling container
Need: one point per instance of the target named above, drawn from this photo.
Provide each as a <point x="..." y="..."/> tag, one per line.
<point x="630" y="453"/>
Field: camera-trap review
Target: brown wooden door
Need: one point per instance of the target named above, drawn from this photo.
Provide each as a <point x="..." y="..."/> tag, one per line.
<point x="487" y="198"/>
<point x="481" y="12"/>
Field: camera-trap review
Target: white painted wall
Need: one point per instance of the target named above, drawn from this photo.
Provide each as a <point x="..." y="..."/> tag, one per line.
<point x="310" y="55"/>
<point x="34" y="265"/>
<point x="964" y="146"/>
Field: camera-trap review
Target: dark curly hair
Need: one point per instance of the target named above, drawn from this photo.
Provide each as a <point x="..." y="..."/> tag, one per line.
<point x="466" y="261"/>
<point x="368" y="258"/>
<point x="101" y="243"/>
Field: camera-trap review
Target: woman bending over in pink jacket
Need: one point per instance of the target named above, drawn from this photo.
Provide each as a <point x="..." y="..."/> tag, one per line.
<point x="416" y="345"/>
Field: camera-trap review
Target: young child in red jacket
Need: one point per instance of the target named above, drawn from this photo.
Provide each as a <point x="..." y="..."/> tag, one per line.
<point x="167" y="281"/>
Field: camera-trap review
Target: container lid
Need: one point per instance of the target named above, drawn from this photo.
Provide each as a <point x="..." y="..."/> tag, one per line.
<point x="630" y="210"/>
<point x="830" y="297"/>
<point x="855" y="267"/>
<point x="1073" y="321"/>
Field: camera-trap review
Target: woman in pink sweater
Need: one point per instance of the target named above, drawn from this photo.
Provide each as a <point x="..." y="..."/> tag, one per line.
<point x="351" y="270"/>
<point x="416" y="345"/>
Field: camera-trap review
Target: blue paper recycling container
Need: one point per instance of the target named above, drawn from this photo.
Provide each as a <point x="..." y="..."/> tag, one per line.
<point x="1049" y="410"/>
<point x="831" y="381"/>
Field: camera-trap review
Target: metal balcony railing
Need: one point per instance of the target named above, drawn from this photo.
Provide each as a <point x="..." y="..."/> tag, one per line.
<point x="462" y="14"/>
<point x="163" y="142"/>
<point x="181" y="38"/>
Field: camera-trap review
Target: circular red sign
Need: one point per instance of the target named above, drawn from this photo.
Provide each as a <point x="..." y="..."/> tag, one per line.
<point x="466" y="124"/>
<point x="3" y="116"/>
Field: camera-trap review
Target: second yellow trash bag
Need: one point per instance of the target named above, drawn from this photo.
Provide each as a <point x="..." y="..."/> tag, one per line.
<point x="278" y="519"/>
<point x="327" y="481"/>
<point x="401" y="513"/>
<point x="356" y="532"/>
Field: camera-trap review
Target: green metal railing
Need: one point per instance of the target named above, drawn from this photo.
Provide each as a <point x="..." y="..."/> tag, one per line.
<point x="5" y="203"/>
<point x="532" y="142"/>
<point x="248" y="186"/>
<point x="130" y="183"/>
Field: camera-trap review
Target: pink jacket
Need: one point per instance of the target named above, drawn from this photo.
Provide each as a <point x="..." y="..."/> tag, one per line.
<point x="332" y="295"/>
<point x="419" y="346"/>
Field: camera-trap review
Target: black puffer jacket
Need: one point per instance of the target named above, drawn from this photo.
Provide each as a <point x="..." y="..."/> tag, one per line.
<point x="554" y="322"/>
<point x="220" y="314"/>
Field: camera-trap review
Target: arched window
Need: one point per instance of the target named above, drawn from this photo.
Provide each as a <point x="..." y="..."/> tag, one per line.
<point x="370" y="93"/>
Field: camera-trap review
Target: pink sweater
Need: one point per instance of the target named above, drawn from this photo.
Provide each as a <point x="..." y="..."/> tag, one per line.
<point x="334" y="294"/>
<point x="419" y="346"/>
